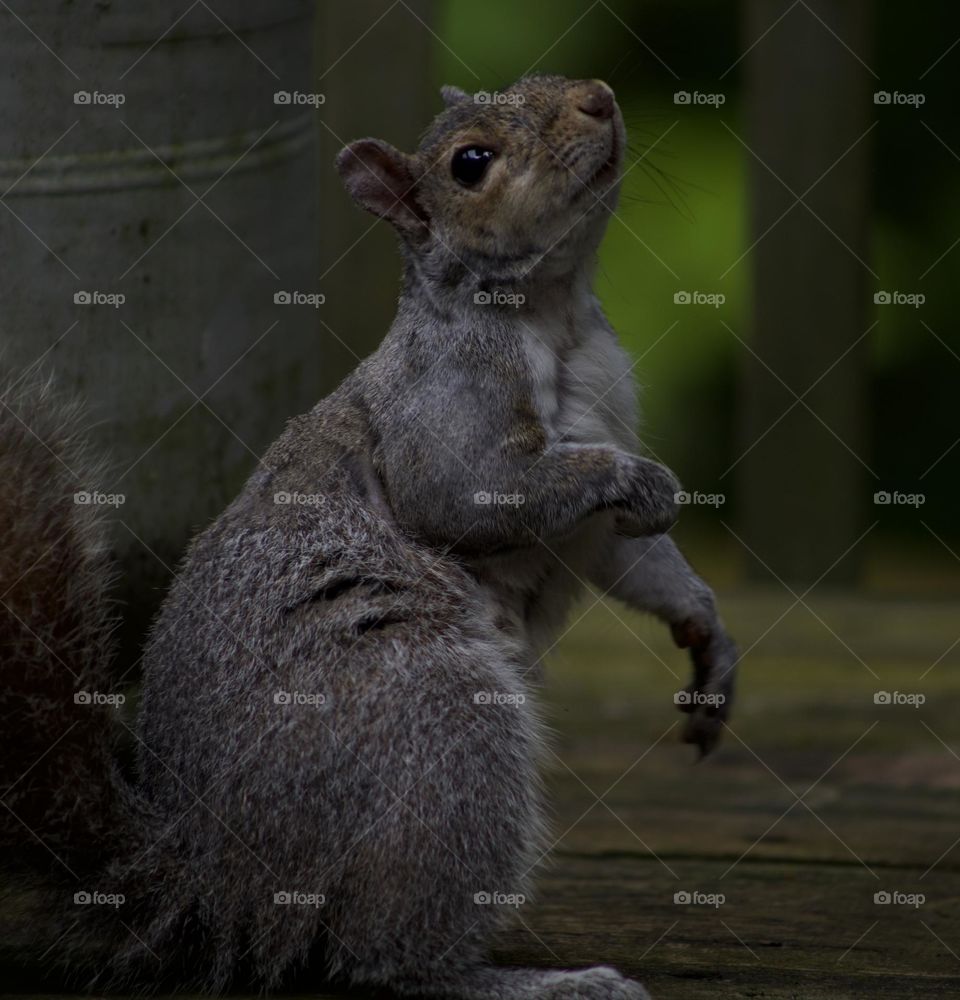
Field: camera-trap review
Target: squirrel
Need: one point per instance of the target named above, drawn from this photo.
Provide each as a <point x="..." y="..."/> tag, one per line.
<point x="339" y="740"/>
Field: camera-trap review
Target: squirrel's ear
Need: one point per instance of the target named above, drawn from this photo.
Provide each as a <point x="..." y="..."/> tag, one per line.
<point x="453" y="95"/>
<point x="379" y="178"/>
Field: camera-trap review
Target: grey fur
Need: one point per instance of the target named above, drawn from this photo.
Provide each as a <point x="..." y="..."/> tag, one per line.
<point x="56" y="625"/>
<point x="359" y="573"/>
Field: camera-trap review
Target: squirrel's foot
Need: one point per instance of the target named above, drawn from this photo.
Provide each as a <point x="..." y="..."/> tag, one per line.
<point x="597" y="983"/>
<point x="497" y="983"/>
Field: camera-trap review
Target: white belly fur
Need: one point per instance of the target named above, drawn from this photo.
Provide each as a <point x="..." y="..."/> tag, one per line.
<point x="584" y="393"/>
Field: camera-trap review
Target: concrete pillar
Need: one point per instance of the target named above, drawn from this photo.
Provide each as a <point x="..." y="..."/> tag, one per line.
<point x="114" y="120"/>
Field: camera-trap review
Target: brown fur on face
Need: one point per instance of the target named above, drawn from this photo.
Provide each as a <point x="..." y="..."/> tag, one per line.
<point x="555" y="164"/>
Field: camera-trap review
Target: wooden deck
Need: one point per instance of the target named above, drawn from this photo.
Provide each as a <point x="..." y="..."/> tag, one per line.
<point x="817" y="800"/>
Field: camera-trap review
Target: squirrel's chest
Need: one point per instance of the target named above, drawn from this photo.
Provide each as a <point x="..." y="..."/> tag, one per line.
<point x="582" y="392"/>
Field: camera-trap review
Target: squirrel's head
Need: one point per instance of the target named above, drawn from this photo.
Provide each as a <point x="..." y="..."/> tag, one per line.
<point x="504" y="187"/>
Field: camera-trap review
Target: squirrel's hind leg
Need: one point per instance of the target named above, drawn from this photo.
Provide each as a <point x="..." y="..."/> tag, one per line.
<point x="443" y="844"/>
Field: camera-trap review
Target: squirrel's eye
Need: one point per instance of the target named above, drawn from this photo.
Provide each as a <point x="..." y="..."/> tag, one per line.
<point x="470" y="164"/>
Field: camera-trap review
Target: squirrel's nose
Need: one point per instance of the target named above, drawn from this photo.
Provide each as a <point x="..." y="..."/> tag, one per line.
<point x="596" y="100"/>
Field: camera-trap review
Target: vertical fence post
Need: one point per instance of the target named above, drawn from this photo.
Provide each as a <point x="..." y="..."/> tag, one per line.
<point x="805" y="480"/>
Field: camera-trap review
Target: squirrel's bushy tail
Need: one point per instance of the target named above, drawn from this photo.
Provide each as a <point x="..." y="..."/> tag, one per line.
<point x="61" y="795"/>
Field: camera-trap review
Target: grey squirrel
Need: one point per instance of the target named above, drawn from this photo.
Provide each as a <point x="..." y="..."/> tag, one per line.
<point x="339" y="738"/>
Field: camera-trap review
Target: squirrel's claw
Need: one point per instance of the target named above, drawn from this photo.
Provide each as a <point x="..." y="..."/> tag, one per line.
<point x="714" y="656"/>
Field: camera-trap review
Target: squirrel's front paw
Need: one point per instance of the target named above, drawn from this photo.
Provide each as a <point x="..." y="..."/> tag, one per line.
<point x="647" y="503"/>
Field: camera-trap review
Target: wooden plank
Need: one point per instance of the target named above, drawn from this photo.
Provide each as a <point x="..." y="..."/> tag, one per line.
<point x="783" y="930"/>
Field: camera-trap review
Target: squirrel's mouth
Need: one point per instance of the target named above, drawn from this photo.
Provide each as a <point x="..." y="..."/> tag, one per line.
<point x="606" y="174"/>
